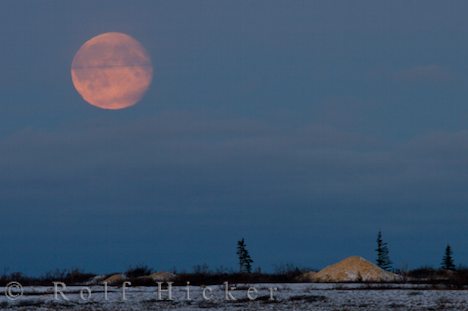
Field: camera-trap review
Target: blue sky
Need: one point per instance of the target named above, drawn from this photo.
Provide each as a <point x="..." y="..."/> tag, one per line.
<point x="303" y="126"/>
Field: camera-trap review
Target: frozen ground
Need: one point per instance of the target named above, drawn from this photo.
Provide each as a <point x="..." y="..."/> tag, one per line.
<point x="287" y="297"/>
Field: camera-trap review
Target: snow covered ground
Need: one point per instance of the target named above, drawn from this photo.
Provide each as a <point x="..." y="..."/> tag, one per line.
<point x="286" y="297"/>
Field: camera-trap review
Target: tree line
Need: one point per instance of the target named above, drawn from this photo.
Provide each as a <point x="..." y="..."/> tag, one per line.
<point x="382" y="258"/>
<point x="384" y="262"/>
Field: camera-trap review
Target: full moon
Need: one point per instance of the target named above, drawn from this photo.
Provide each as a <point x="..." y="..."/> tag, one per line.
<point x="112" y="71"/>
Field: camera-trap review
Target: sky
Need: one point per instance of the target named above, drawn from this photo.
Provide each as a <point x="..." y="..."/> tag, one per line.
<point x="304" y="127"/>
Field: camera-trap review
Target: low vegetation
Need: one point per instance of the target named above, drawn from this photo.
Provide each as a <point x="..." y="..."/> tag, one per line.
<point x="203" y="275"/>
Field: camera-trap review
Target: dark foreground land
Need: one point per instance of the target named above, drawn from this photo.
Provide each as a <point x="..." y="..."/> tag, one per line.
<point x="295" y="296"/>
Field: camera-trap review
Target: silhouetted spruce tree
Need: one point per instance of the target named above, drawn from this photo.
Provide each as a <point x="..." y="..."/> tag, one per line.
<point x="447" y="260"/>
<point x="245" y="261"/>
<point x="383" y="258"/>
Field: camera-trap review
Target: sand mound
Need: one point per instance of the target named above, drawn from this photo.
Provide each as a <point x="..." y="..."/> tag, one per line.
<point x="354" y="269"/>
<point x="96" y="280"/>
<point x="115" y="279"/>
<point x="162" y="276"/>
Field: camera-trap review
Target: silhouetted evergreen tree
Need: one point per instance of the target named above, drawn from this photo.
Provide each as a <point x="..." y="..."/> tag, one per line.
<point x="447" y="260"/>
<point x="383" y="258"/>
<point x="245" y="261"/>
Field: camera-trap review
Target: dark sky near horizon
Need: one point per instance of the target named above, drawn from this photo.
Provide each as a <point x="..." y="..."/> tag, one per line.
<point x="303" y="126"/>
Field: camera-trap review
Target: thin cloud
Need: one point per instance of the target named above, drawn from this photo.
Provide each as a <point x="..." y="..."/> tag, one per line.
<point x="425" y="73"/>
